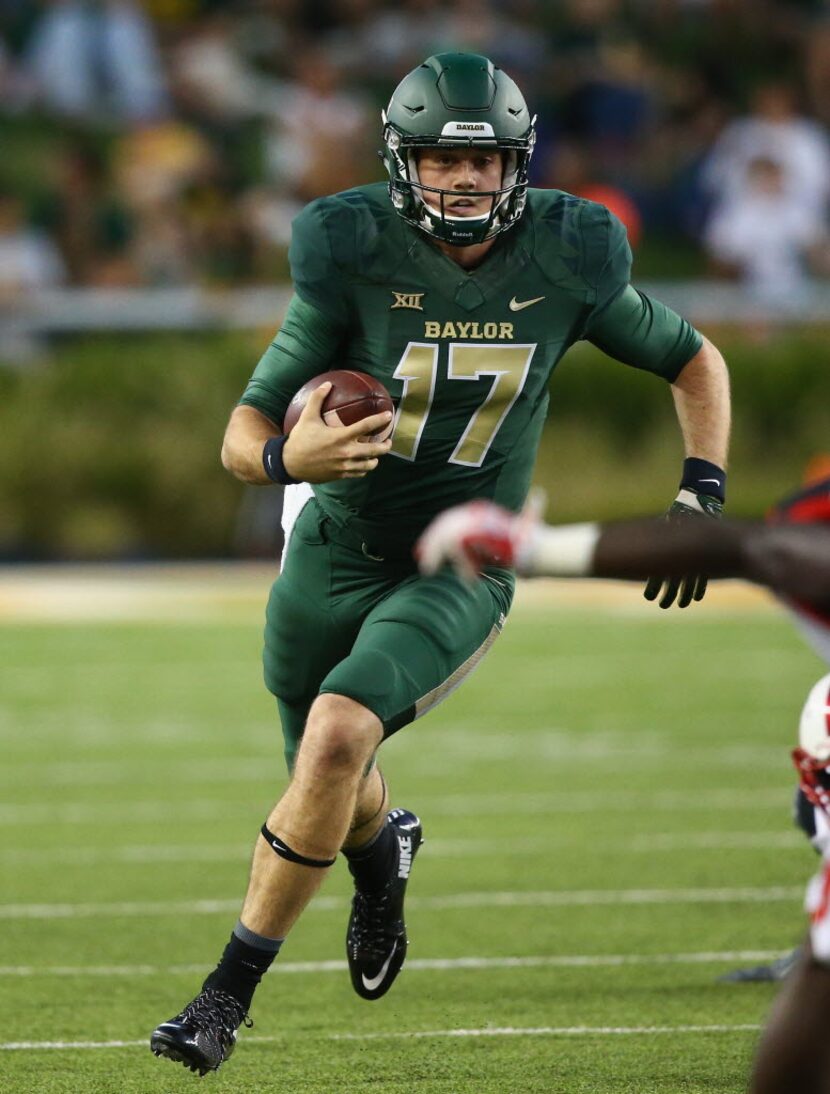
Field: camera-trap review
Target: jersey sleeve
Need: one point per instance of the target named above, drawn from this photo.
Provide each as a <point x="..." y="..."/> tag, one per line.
<point x="316" y="321"/>
<point x="317" y="276"/>
<point x="623" y="322"/>
<point x="305" y="346"/>
<point x="606" y="257"/>
<point x="645" y="334"/>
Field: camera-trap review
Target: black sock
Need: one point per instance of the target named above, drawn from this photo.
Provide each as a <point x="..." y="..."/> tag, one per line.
<point x="371" y="864"/>
<point x="243" y="965"/>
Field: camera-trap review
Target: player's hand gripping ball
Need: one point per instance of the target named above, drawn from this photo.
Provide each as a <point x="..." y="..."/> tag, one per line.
<point x="353" y="397"/>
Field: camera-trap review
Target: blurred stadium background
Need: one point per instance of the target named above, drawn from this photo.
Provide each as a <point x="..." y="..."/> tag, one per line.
<point x="154" y="154"/>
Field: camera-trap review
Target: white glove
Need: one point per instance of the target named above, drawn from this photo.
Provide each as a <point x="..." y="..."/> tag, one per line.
<point x="479" y="534"/>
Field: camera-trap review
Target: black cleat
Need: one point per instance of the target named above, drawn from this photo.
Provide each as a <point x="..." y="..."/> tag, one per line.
<point x="204" y="1035"/>
<point x="376" y="939"/>
<point x="774" y="972"/>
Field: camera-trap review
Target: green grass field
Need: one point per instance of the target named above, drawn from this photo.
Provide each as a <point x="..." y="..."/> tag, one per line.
<point x="606" y="807"/>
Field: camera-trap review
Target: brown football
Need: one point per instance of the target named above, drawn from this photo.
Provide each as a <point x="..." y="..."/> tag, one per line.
<point x="354" y="395"/>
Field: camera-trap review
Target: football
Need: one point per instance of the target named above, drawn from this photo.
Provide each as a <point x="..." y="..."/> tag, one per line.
<point x="354" y="396"/>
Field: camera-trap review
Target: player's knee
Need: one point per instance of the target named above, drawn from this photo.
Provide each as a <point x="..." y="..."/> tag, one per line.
<point x="340" y="733"/>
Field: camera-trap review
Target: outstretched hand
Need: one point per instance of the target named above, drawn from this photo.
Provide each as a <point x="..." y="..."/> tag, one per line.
<point x="316" y="452"/>
<point x="688" y="505"/>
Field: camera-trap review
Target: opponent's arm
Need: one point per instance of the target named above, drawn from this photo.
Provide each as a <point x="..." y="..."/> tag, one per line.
<point x="480" y="534"/>
<point x="793" y="560"/>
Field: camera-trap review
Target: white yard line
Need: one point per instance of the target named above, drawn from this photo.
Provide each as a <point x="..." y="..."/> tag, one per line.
<point x="631" y="801"/>
<point x="424" y="964"/>
<point x="187" y="592"/>
<point x="546" y="899"/>
<point x="404" y="1035"/>
<point x="519" y="804"/>
<point x="155" y="854"/>
<point x="548" y="1031"/>
<point x="107" y="772"/>
<point x="547" y="748"/>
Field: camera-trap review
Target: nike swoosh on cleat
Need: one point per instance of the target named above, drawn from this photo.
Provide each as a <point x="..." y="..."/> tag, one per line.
<point x="375" y="981"/>
<point x="518" y="305"/>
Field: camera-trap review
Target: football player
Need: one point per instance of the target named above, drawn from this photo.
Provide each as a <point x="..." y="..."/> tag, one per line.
<point x="794" y="1054"/>
<point x="460" y="289"/>
<point x="791" y="556"/>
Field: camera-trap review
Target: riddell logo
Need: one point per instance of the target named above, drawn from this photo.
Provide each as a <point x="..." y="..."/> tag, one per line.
<point x="405" y="861"/>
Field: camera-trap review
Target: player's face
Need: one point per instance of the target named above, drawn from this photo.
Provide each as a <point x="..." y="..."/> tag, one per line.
<point x="464" y="170"/>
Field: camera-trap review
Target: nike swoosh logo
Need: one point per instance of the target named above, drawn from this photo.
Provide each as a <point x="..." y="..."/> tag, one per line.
<point x="516" y="305"/>
<point x="375" y="981"/>
<point x="715" y="481"/>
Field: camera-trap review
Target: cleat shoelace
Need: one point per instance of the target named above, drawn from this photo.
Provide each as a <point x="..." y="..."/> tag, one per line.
<point x="370" y="925"/>
<point x="217" y="1014"/>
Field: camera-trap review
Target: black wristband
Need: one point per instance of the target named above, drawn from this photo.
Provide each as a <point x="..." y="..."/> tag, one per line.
<point x="704" y="477"/>
<point x="273" y="463"/>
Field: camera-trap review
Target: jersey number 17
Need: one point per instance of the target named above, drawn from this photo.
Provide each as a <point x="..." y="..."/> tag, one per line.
<point x="418" y="369"/>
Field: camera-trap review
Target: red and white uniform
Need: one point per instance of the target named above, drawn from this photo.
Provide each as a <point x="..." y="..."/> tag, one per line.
<point x="810" y="505"/>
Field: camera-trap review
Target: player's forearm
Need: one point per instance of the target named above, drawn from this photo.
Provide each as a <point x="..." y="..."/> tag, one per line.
<point x="637" y="548"/>
<point x="245" y="437"/>
<point x="633" y="549"/>
<point x="701" y="399"/>
<point x="793" y="560"/>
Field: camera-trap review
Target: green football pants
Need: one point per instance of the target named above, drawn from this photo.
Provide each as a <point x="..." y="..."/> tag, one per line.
<point x="342" y="622"/>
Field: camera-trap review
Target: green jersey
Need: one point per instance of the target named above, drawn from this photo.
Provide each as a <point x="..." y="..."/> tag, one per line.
<point x="465" y="355"/>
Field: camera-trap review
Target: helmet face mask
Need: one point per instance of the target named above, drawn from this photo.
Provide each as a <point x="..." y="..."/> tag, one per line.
<point x="457" y="101"/>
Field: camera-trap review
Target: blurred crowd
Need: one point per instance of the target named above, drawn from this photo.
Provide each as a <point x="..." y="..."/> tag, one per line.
<point x="171" y="142"/>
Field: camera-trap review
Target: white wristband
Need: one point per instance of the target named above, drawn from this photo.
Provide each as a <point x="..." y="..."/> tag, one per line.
<point x="563" y="551"/>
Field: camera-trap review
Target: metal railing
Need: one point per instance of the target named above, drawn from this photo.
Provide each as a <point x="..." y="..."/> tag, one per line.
<point x="62" y="311"/>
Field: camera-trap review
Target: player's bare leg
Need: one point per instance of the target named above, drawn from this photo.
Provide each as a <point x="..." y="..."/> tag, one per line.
<point x="300" y="840"/>
<point x="313" y="817"/>
<point x="370" y="809"/>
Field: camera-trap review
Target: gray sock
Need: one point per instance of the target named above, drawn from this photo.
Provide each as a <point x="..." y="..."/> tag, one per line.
<point x="258" y="941"/>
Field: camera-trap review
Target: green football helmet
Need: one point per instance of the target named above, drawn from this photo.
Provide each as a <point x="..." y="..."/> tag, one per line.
<point x="457" y="100"/>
